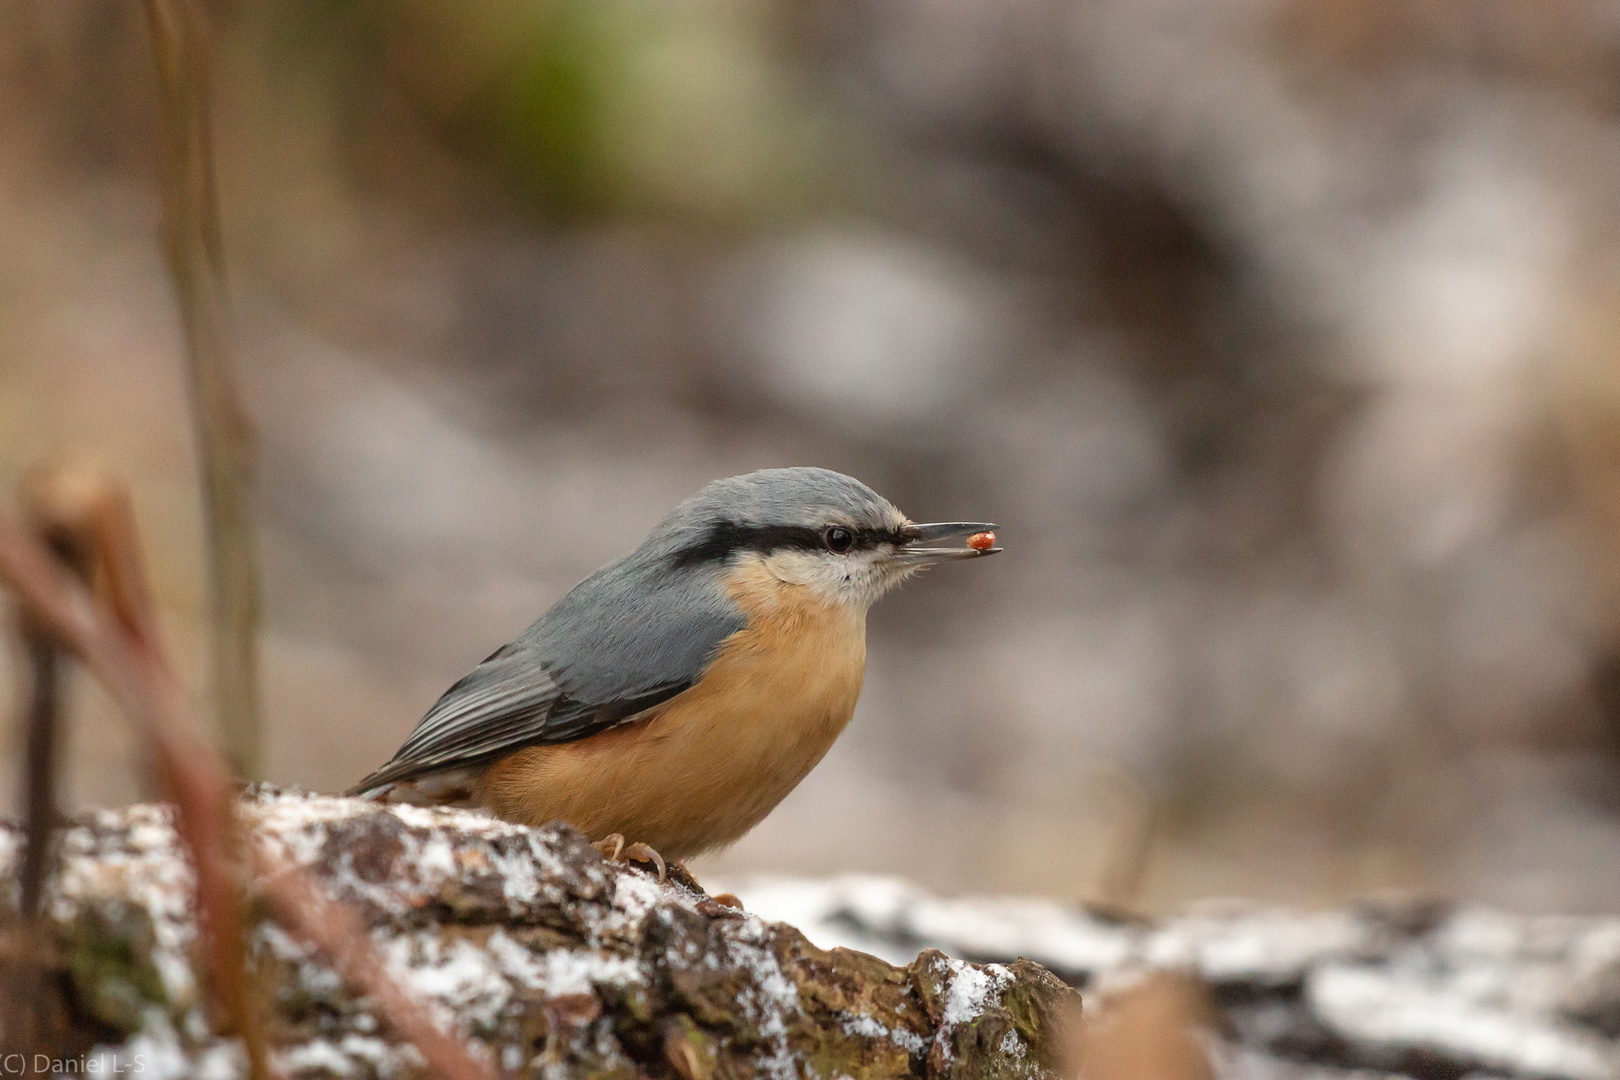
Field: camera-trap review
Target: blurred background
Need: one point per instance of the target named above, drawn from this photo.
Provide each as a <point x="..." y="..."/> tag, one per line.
<point x="1280" y="336"/>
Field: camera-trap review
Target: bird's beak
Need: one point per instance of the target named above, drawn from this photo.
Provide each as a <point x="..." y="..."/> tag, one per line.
<point x="922" y="542"/>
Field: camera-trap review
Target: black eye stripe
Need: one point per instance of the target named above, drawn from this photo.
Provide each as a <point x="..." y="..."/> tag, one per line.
<point x="725" y="537"/>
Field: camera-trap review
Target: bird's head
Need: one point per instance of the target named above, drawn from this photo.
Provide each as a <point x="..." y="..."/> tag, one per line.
<point x="816" y="528"/>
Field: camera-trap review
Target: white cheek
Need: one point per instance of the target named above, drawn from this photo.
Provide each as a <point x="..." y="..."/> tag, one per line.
<point x="793" y="567"/>
<point x="844" y="579"/>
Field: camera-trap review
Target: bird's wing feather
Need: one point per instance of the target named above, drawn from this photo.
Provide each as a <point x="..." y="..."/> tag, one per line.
<point x="566" y="678"/>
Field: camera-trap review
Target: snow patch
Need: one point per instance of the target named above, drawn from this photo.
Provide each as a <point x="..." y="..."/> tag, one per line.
<point x="894" y="920"/>
<point x="772" y="998"/>
<point x="315" y="1054"/>
<point x="559" y="972"/>
<point x="868" y="1028"/>
<point x="460" y="975"/>
<point x="972" y="990"/>
<point x="1237" y="942"/>
<point x="1377" y="1007"/>
<point x="134" y="856"/>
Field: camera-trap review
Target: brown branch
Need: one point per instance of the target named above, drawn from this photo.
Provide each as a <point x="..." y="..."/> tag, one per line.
<point x="225" y="440"/>
<point x="39" y="767"/>
<point x="132" y="665"/>
<point x="1126" y="860"/>
<point x="84" y="503"/>
<point x="63" y="536"/>
<point x="35" y="1010"/>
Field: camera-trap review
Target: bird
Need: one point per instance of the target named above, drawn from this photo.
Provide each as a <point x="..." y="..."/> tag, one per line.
<point x="679" y="693"/>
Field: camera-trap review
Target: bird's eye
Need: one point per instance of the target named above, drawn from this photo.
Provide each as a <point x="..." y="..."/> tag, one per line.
<point x="839" y="539"/>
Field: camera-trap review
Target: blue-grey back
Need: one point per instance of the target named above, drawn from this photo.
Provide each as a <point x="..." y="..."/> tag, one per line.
<point x="634" y="625"/>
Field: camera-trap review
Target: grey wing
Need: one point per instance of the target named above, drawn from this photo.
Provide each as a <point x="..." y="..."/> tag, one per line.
<point x="566" y="678"/>
<point x="508" y="702"/>
<point x="508" y="695"/>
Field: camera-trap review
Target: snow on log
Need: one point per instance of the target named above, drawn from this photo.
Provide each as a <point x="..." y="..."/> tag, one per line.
<point x="552" y="962"/>
<point x="547" y="959"/>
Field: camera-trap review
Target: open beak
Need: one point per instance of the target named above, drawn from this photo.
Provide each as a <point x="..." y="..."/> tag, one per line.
<point x="926" y="544"/>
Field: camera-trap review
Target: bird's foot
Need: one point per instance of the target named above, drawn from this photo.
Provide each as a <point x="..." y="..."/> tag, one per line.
<point x="614" y="849"/>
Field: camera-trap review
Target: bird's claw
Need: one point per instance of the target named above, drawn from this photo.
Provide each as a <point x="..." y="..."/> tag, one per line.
<point x="639" y="852"/>
<point x="614" y="849"/>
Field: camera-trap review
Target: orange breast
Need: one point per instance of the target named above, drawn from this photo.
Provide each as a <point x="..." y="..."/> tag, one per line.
<point x="710" y="763"/>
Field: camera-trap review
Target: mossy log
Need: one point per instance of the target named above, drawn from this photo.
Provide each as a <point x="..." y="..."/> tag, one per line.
<point x="546" y="958"/>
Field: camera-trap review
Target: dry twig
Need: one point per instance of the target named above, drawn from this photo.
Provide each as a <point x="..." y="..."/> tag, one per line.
<point x="124" y="652"/>
<point x="122" y="649"/>
<point x="40" y="757"/>
<point x="37" y="1017"/>
<point x="225" y="442"/>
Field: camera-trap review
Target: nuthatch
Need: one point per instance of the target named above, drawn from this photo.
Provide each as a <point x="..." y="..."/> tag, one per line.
<point x="679" y="693"/>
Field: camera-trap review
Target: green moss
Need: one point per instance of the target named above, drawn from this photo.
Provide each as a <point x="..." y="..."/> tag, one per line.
<point x="689" y="1050"/>
<point x="109" y="950"/>
<point x="1040" y="1005"/>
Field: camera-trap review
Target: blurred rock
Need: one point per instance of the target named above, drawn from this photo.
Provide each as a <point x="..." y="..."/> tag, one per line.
<point x="1398" y="988"/>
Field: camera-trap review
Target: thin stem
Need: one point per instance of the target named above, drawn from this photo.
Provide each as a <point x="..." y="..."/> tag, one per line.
<point x="40" y="770"/>
<point x="225" y="440"/>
